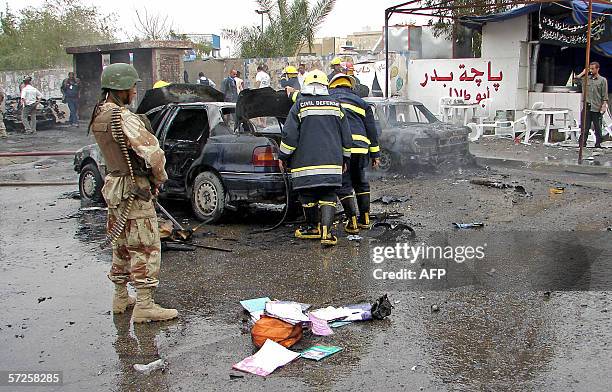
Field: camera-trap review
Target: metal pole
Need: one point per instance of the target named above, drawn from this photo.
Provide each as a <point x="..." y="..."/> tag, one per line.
<point x="262" y="24"/>
<point x="585" y="91"/>
<point x="387" y="54"/>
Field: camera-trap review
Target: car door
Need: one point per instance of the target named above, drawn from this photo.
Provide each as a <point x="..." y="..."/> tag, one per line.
<point x="182" y="139"/>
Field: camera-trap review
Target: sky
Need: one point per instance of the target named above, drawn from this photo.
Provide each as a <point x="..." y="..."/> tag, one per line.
<point x="210" y="17"/>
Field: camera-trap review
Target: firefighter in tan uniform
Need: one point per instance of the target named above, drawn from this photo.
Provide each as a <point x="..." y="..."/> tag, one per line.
<point x="137" y="247"/>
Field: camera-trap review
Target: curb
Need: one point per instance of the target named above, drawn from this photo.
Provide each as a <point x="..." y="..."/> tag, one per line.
<point x="549" y="166"/>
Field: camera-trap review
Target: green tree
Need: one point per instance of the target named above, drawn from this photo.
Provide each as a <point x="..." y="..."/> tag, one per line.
<point x="291" y="25"/>
<point x="36" y="37"/>
<point x="444" y="24"/>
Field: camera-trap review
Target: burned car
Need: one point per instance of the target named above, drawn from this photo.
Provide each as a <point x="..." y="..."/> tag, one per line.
<point x="50" y="113"/>
<point x="412" y="138"/>
<point x="212" y="160"/>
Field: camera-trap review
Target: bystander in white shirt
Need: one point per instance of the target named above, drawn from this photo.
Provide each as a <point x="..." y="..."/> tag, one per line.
<point x="262" y="79"/>
<point x="30" y="94"/>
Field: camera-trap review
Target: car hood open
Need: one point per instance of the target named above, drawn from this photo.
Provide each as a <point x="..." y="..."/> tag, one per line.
<point x="262" y="102"/>
<point x="178" y="93"/>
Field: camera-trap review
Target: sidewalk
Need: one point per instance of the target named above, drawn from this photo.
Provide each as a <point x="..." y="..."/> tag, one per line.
<point x="503" y="152"/>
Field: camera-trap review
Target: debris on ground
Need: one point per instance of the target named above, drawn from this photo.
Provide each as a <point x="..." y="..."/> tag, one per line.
<point x="338" y="324"/>
<point x="235" y="376"/>
<point x="395" y="226"/>
<point x="255" y="307"/>
<point x="319" y="352"/>
<point x="354" y="237"/>
<point x="490" y="183"/>
<point x="180" y="247"/>
<point x="270" y="357"/>
<point x="150" y="367"/>
<point x="289" y="311"/>
<point x="386" y="199"/>
<point x="556" y="190"/>
<point x="473" y="225"/>
<point x="279" y="331"/>
<point x="319" y="326"/>
<point x="381" y="308"/>
<point x="435" y="308"/>
<point x="383" y="216"/>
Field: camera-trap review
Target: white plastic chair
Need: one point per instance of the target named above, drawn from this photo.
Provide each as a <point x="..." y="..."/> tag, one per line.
<point x="501" y="128"/>
<point x="443" y="109"/>
<point x="532" y="122"/>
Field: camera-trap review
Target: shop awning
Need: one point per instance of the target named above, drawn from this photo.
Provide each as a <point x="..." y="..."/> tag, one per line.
<point x="579" y="15"/>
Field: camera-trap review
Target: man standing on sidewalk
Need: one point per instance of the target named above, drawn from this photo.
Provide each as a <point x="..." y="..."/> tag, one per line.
<point x="30" y="97"/>
<point x="71" y="89"/>
<point x="597" y="102"/>
<point x="3" y="134"/>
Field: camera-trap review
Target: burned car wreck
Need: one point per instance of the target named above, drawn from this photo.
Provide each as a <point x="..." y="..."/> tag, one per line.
<point x="412" y="139"/>
<point x="50" y="113"/>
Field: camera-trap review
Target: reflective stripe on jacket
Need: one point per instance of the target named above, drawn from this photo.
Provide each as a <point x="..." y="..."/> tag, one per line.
<point x="361" y="121"/>
<point x="315" y="140"/>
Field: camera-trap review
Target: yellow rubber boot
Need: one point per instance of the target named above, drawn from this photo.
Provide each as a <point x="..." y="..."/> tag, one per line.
<point x="147" y="310"/>
<point x="327" y="220"/>
<point x="121" y="299"/>
<point x="312" y="229"/>
<point x="349" y="204"/>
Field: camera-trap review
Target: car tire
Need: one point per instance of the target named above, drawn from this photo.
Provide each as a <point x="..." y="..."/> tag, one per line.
<point x="90" y="183"/>
<point x="386" y="161"/>
<point x="208" y="197"/>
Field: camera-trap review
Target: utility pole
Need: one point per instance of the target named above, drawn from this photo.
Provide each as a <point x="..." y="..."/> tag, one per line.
<point x="584" y="133"/>
<point x="262" y="12"/>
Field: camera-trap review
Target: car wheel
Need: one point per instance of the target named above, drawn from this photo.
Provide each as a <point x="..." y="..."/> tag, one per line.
<point x="90" y="183"/>
<point x="208" y="197"/>
<point x="386" y="161"/>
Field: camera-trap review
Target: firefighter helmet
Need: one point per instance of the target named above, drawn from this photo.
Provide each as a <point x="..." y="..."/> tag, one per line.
<point x="316" y="76"/>
<point x="290" y="69"/>
<point x="342" y="80"/>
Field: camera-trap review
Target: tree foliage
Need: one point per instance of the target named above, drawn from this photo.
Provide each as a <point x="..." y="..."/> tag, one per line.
<point x="36" y="37"/>
<point x="290" y="26"/>
<point x="444" y="25"/>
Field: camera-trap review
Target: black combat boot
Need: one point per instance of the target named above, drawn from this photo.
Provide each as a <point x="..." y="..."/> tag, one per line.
<point x="311" y="229"/>
<point x="349" y="203"/>
<point x="363" y="203"/>
<point x="328" y="213"/>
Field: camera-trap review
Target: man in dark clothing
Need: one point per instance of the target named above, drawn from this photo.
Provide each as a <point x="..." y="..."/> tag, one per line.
<point x="316" y="145"/>
<point x="290" y="78"/>
<point x="71" y="90"/>
<point x="203" y="80"/>
<point x="228" y="87"/>
<point x="355" y="192"/>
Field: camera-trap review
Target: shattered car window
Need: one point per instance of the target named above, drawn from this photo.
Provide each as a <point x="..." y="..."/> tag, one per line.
<point x="226" y="123"/>
<point x="408" y="113"/>
<point x="189" y="124"/>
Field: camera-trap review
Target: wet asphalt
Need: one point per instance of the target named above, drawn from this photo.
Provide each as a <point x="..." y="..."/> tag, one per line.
<point x="533" y="315"/>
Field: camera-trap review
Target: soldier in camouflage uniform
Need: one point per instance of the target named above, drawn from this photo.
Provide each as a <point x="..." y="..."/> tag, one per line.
<point x="137" y="250"/>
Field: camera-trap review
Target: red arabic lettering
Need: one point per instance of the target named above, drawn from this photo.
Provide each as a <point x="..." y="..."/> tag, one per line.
<point x="492" y="78"/>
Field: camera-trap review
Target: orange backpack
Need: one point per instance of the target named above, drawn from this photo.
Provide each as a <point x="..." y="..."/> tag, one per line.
<point x="277" y="330"/>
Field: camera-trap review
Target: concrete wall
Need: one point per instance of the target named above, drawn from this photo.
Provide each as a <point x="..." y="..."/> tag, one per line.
<point x="48" y="81"/>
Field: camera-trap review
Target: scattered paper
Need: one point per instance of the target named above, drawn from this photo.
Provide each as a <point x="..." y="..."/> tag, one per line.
<point x="319" y="326"/>
<point x="357" y="312"/>
<point x="319" y="352"/>
<point x="338" y="324"/>
<point x="270" y="357"/>
<point x="255" y="306"/>
<point x="291" y="312"/>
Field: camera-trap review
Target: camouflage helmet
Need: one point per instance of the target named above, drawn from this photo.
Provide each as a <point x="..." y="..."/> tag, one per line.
<point x="119" y="76"/>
